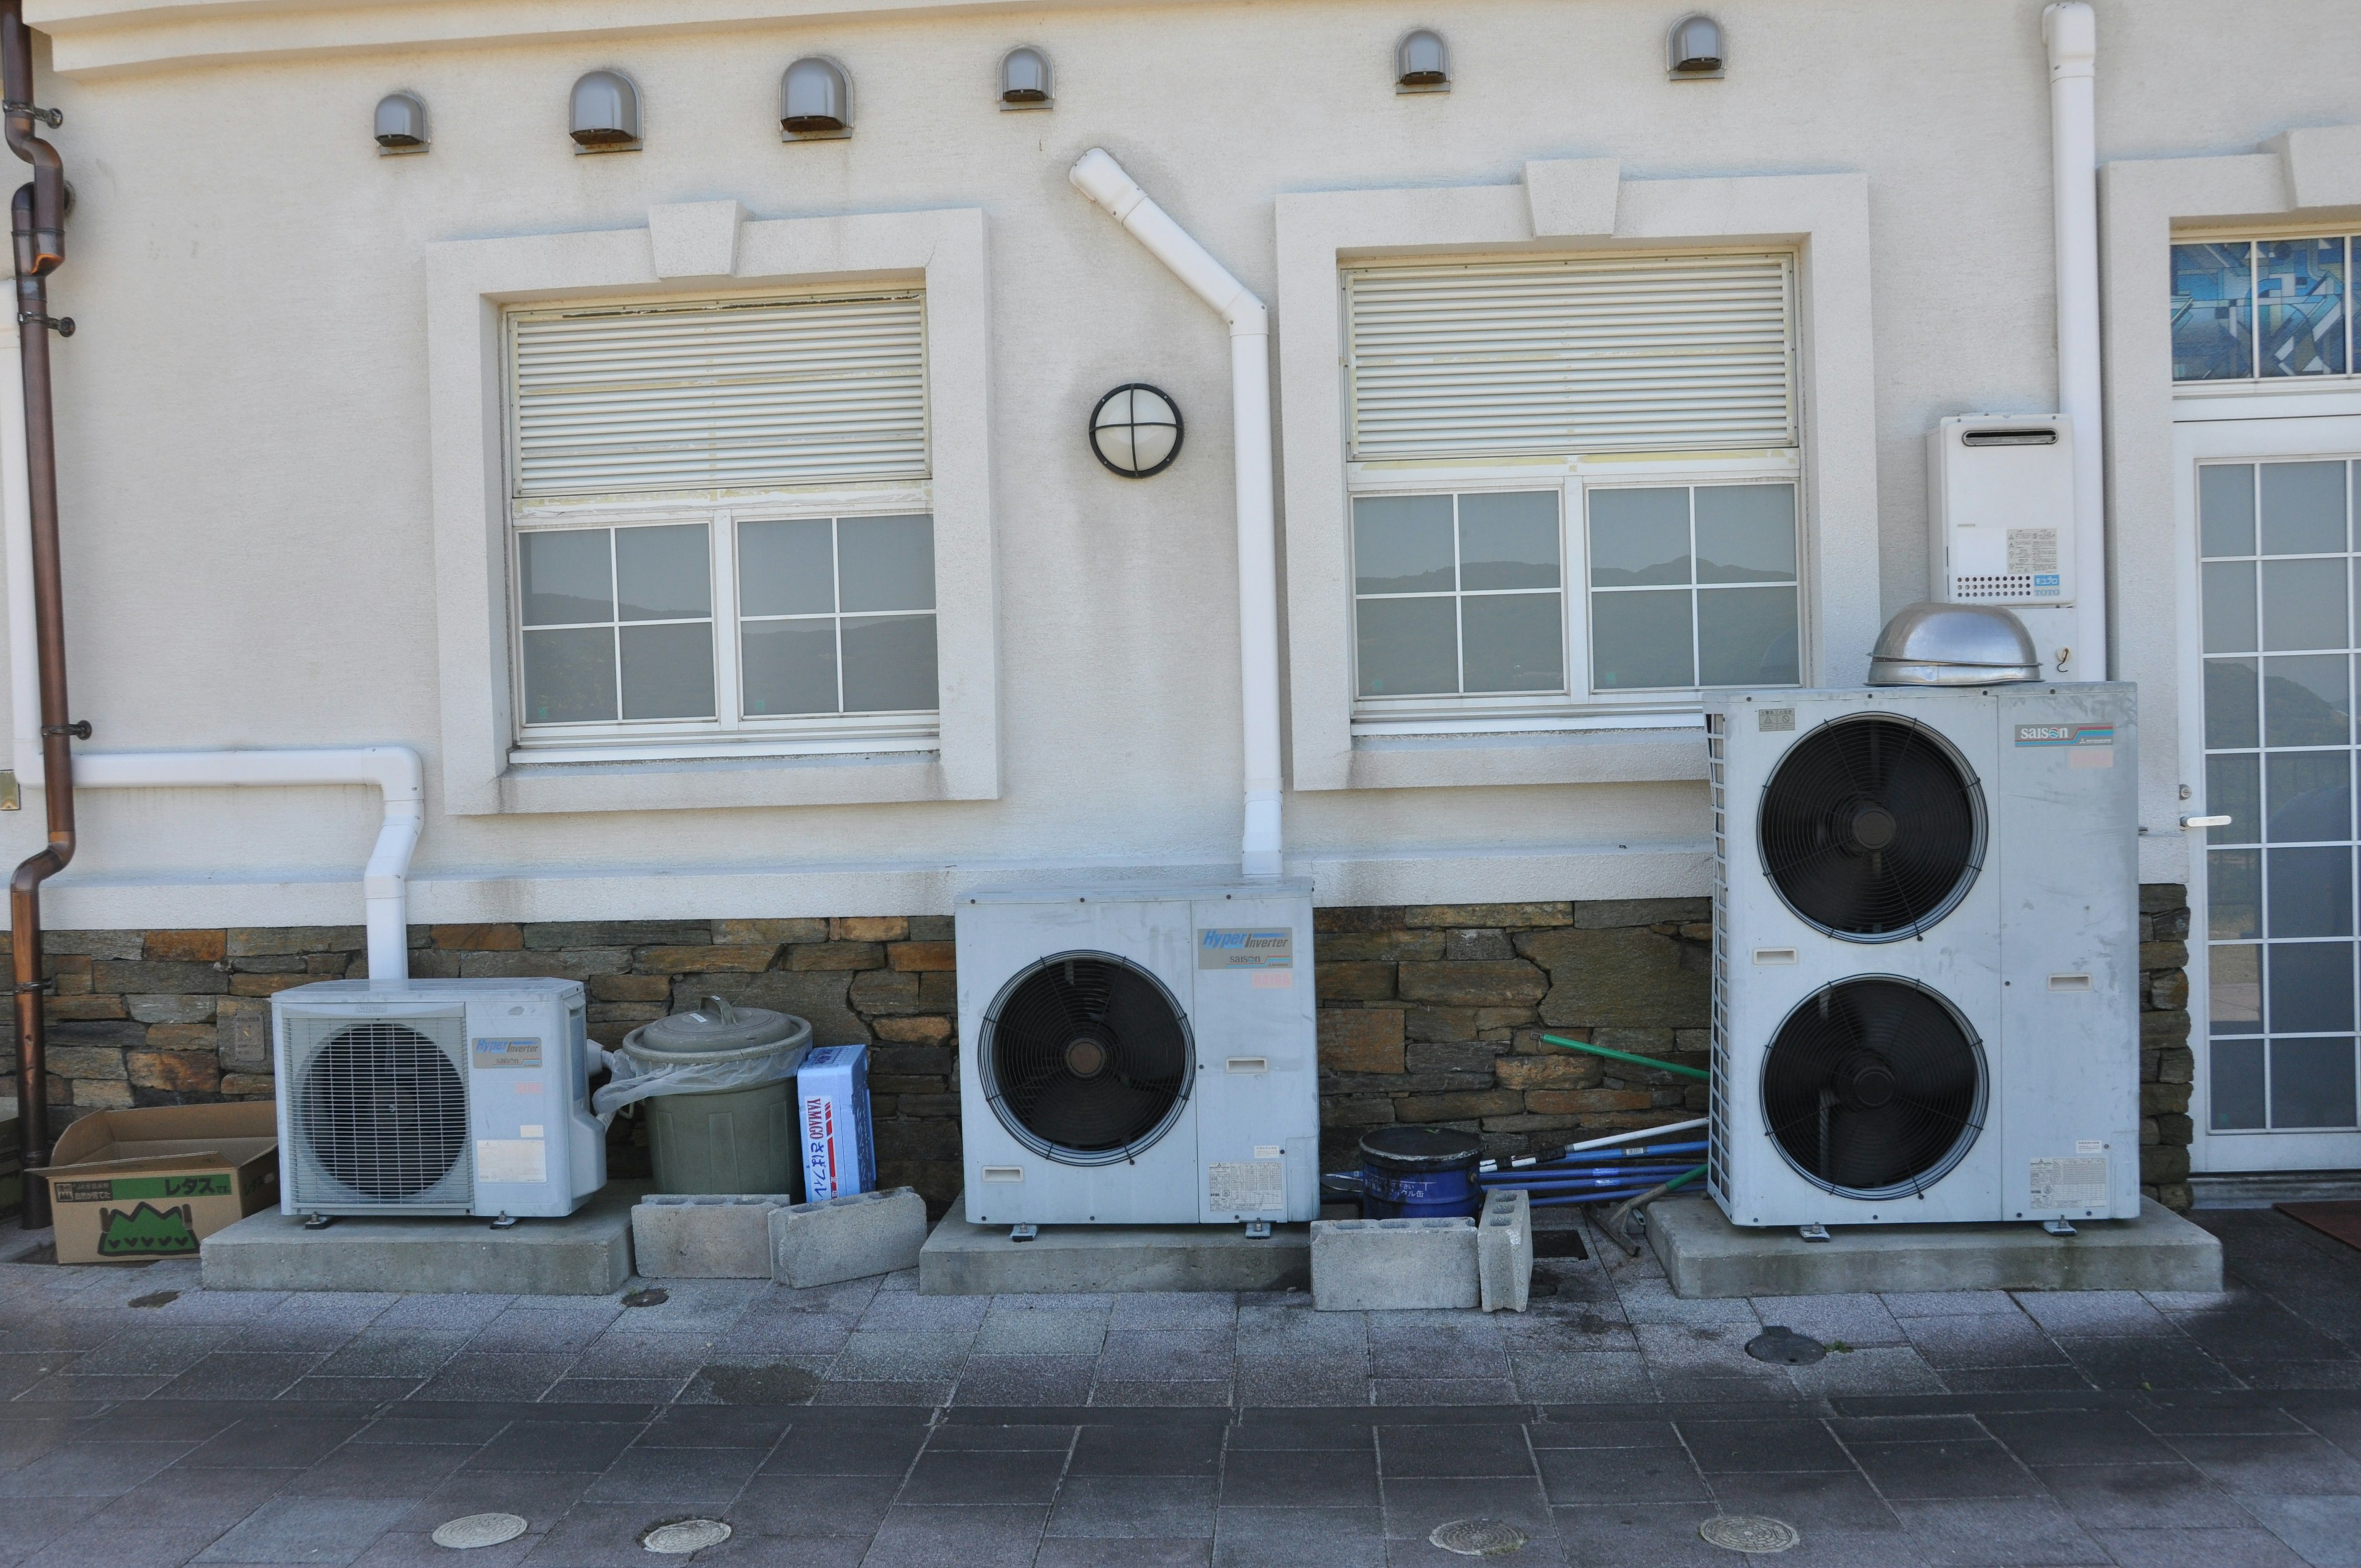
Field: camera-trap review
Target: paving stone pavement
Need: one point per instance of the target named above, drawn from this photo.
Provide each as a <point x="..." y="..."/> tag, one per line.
<point x="150" y="1421"/>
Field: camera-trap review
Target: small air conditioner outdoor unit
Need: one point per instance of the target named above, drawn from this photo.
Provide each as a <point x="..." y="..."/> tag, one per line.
<point x="436" y="1097"/>
<point x="1138" y="1057"/>
<point x="1925" y="964"/>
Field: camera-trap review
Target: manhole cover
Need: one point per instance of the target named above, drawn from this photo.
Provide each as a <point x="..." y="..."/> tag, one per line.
<point x="681" y="1537"/>
<point x="1478" y="1538"/>
<point x="156" y="1298"/>
<point x="649" y="1298"/>
<point x="1786" y="1347"/>
<point x="1748" y="1532"/>
<point x="479" y="1529"/>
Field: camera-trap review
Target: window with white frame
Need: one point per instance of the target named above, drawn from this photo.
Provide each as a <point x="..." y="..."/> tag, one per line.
<point x="720" y="520"/>
<point x="1574" y="485"/>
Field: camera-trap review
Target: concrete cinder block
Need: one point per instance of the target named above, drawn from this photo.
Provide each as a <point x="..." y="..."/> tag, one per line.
<point x="1390" y="1265"/>
<point x="850" y="1237"/>
<point x="678" y="1236"/>
<point x="1705" y="1254"/>
<point x="1504" y="1250"/>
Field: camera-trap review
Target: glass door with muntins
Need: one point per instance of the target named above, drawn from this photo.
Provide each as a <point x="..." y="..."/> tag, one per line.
<point x="2278" y="579"/>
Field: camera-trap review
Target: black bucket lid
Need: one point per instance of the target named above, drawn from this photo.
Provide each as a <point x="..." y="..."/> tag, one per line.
<point x="1407" y="1150"/>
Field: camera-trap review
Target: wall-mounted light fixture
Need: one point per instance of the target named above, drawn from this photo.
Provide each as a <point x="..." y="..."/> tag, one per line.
<point x="1694" y="51"/>
<point x="605" y="112"/>
<point x="1421" y="63"/>
<point x="1025" y="78"/>
<point x="1135" y="430"/>
<point x="814" y="101"/>
<point x="400" y="124"/>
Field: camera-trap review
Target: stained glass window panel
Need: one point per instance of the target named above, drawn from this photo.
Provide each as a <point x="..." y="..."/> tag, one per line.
<point x="2299" y="306"/>
<point x="2212" y="313"/>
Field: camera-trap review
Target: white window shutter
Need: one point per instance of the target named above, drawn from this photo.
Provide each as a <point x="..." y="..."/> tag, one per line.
<point x="717" y="395"/>
<point x="1610" y="354"/>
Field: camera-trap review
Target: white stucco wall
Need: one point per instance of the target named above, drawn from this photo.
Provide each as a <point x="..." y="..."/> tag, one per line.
<point x="244" y="423"/>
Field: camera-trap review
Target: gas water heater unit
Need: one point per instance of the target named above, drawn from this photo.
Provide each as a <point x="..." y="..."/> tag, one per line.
<point x="2001" y="499"/>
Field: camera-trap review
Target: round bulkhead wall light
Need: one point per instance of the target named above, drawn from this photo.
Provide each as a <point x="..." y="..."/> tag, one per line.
<point x="815" y="100"/>
<point x="605" y="112"/>
<point x="1135" y="430"/>
<point x="400" y="122"/>
<point x="1025" y="78"/>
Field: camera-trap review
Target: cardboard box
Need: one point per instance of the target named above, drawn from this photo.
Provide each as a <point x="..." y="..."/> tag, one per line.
<point x="839" y="1154"/>
<point x="155" y="1182"/>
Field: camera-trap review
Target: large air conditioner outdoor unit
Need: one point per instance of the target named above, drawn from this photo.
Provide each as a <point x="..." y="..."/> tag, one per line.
<point x="436" y="1097"/>
<point x="1138" y="1057"/>
<point x="1925" y="964"/>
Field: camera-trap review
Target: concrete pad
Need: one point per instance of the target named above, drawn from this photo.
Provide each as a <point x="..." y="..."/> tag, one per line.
<point x="851" y="1237"/>
<point x="588" y="1253"/>
<point x="705" y="1235"/>
<point x="961" y="1259"/>
<point x="1705" y="1254"/>
<point x="1504" y="1250"/>
<point x="1362" y="1266"/>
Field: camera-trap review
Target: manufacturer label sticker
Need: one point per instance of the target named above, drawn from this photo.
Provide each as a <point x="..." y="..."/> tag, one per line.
<point x="2079" y="1182"/>
<point x="2065" y="734"/>
<point x="2033" y="550"/>
<point x="512" y="1159"/>
<point x="1246" y="948"/>
<point x="508" y="1053"/>
<point x="1245" y="1185"/>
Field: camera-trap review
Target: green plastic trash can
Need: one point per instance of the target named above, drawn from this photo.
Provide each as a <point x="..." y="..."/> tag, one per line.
<point x="731" y="1139"/>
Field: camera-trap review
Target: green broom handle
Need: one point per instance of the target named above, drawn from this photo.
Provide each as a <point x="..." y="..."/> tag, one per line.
<point x="1698" y="1073"/>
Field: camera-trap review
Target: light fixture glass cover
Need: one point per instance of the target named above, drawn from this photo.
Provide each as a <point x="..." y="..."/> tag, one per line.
<point x="1420" y="60"/>
<point x="1135" y="430"/>
<point x="400" y="121"/>
<point x="1025" y="77"/>
<point x="1697" y="47"/>
<point x="606" y="111"/>
<point x="814" y="98"/>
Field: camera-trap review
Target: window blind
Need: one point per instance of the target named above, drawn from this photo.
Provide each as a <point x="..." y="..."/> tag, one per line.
<point x="1689" y="353"/>
<point x="720" y="395"/>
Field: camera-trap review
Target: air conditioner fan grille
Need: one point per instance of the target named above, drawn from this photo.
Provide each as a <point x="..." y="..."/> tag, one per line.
<point x="1086" y="1057"/>
<point x="384" y="1110"/>
<point x="1873" y="827"/>
<point x="1873" y="1088"/>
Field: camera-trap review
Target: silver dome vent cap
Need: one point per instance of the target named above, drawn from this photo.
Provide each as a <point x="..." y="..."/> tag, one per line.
<point x="1953" y="645"/>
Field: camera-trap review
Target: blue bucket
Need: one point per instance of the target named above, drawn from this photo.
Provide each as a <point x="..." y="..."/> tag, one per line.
<point x="1419" y="1173"/>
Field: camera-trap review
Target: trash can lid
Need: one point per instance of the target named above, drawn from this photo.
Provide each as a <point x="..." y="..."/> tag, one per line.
<point x="715" y="1025"/>
<point x="1406" y="1149"/>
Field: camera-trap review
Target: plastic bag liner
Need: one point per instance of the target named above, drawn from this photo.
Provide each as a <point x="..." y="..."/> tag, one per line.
<point x="641" y="1072"/>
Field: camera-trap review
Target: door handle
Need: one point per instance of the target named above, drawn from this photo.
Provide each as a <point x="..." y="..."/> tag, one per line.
<point x="2205" y="822"/>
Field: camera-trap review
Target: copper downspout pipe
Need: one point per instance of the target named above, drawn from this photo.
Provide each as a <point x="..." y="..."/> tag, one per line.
<point x="37" y="216"/>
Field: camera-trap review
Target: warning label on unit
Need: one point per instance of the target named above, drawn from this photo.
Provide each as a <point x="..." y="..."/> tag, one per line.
<point x="1236" y="948"/>
<point x="512" y="1159"/>
<point x="508" y="1053"/>
<point x="2032" y="549"/>
<point x="1246" y="1185"/>
<point x="2077" y="1183"/>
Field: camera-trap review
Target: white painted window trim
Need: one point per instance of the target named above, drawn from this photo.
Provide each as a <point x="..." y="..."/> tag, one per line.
<point x="1824" y="218"/>
<point x="470" y="282"/>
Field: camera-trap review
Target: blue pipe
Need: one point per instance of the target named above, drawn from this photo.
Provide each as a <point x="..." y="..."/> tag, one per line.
<point x="1607" y="1173"/>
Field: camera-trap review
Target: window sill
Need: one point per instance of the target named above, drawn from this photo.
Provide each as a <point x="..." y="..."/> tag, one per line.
<point x="1670" y="748"/>
<point x="690" y="783"/>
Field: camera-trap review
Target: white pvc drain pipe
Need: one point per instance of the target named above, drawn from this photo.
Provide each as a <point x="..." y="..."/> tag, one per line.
<point x="1101" y="178"/>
